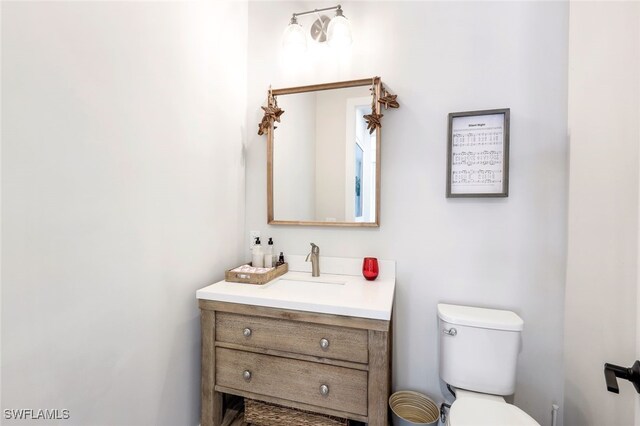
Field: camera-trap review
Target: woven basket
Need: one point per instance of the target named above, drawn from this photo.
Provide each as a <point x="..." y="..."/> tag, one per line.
<point x="258" y="413"/>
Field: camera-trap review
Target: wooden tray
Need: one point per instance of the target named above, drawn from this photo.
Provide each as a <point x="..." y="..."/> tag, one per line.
<point x="259" y="279"/>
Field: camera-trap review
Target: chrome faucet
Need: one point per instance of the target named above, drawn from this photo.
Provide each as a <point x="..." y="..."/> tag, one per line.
<point x="315" y="260"/>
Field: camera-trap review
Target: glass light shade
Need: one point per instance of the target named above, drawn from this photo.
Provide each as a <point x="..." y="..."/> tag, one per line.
<point x="339" y="32"/>
<point x="294" y="40"/>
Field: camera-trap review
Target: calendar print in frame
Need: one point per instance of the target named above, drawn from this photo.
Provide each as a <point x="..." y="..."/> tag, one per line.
<point x="478" y="154"/>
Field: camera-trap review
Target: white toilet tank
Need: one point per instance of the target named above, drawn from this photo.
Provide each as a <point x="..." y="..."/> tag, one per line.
<point x="479" y="348"/>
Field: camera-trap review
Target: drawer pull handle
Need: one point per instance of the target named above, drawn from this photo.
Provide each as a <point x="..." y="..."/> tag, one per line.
<point x="246" y="375"/>
<point x="324" y="343"/>
<point x="324" y="390"/>
<point x="246" y="332"/>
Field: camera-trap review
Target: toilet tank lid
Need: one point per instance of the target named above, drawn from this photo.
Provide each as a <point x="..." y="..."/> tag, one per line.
<point x="480" y="317"/>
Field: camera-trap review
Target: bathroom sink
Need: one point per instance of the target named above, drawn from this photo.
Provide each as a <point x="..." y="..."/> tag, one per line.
<point x="304" y="279"/>
<point x="317" y="285"/>
<point x="315" y="280"/>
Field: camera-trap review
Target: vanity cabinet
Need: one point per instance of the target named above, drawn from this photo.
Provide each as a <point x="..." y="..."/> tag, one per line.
<point x="325" y="363"/>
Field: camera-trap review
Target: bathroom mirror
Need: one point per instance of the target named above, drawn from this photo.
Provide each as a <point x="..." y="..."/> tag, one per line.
<point x="323" y="155"/>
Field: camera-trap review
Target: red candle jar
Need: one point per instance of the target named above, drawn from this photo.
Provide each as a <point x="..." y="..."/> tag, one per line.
<point x="370" y="268"/>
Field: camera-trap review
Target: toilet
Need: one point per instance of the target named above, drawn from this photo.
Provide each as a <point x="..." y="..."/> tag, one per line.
<point x="478" y="353"/>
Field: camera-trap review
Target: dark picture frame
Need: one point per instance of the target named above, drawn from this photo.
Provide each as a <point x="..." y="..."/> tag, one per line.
<point x="478" y="153"/>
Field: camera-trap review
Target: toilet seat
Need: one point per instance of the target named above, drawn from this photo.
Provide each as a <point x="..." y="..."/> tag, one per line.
<point x="475" y="409"/>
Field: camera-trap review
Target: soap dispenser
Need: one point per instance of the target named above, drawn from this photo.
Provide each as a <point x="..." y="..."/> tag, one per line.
<point x="268" y="254"/>
<point x="257" y="258"/>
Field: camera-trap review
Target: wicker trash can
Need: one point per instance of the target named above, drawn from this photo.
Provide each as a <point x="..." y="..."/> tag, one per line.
<point x="259" y="413"/>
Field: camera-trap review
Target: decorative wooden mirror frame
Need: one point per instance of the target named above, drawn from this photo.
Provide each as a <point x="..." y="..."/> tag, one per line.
<point x="272" y="114"/>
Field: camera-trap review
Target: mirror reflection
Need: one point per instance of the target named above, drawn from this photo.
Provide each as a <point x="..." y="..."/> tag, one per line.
<point x="324" y="158"/>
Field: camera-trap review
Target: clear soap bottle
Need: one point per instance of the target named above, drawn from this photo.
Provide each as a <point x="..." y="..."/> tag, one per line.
<point x="257" y="258"/>
<point x="268" y="254"/>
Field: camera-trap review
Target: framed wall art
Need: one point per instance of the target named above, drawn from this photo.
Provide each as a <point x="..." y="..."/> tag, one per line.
<point x="478" y="154"/>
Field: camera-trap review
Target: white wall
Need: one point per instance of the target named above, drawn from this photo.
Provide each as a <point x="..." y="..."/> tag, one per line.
<point x="441" y="57"/>
<point x="604" y="124"/>
<point x="122" y="193"/>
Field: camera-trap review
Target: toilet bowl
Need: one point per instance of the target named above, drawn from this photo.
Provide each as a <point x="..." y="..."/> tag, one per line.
<point x="478" y="355"/>
<point x="478" y="409"/>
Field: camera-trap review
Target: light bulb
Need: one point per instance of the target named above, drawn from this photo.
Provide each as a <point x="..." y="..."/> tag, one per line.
<point x="294" y="40"/>
<point x="339" y="32"/>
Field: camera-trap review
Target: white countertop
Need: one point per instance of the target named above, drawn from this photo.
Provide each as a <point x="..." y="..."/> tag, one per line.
<point x="344" y="293"/>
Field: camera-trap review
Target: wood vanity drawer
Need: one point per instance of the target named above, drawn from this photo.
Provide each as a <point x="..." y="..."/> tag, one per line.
<point x="348" y="344"/>
<point x="293" y="380"/>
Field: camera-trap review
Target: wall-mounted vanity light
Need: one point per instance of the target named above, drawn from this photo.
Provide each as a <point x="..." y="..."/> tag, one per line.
<point x="335" y="31"/>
